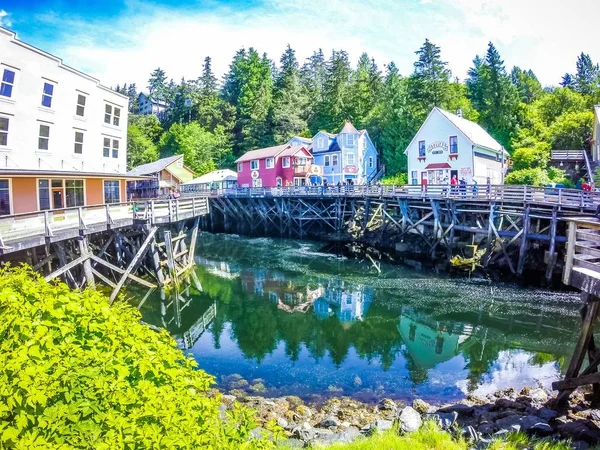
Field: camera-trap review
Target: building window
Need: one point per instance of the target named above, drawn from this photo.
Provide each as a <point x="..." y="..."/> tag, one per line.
<point x="240" y="166"/>
<point x="370" y="162"/>
<point x="269" y="163"/>
<point x="180" y="163"/>
<point x="254" y="165"/>
<point x="47" y="95"/>
<point x="44" y="194"/>
<point x="44" y="138"/>
<point x="106" y="148"/>
<point x="285" y="162"/>
<point x="414" y="178"/>
<point x="334" y="160"/>
<point x="115" y="148"/>
<point x="3" y="131"/>
<point x="112" y="115"/>
<point x="453" y="145"/>
<point x="326" y="161"/>
<point x="350" y="140"/>
<point x="78" y="142"/>
<point x="8" y="81"/>
<point x="321" y="142"/>
<point x="112" y="193"/>
<point x="301" y="161"/>
<point x="74" y="193"/>
<point x="350" y="159"/>
<point x="80" y="111"/>
<point x="4" y="197"/>
<point x="421" y="149"/>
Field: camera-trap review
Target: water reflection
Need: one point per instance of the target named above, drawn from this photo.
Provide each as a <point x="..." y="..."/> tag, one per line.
<point x="293" y="320"/>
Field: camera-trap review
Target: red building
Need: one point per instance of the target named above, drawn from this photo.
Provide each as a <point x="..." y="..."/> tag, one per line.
<point x="283" y="165"/>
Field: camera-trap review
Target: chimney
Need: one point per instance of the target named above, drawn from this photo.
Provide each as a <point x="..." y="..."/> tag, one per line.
<point x="459" y="112"/>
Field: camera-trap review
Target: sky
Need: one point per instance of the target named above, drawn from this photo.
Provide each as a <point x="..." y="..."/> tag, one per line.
<point x="122" y="41"/>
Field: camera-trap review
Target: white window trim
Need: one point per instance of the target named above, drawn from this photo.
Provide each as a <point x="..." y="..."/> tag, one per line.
<point x="240" y="167"/>
<point x="104" y="191"/>
<point x="53" y="84"/>
<point x="284" y="160"/>
<point x="10" y="120"/>
<point x="326" y="161"/>
<point x="65" y="191"/>
<point x="272" y="160"/>
<point x="13" y="84"/>
<point x="350" y="140"/>
<point x="321" y="143"/>
<point x="44" y="124"/>
<point x="85" y="105"/>
<point x="82" y="142"/>
<point x="335" y="158"/>
<point x="371" y="162"/>
<point x="10" y="196"/>
<point x="257" y="164"/>
<point x="348" y="163"/>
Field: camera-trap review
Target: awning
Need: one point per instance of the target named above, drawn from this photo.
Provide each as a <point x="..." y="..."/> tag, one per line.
<point x="438" y="166"/>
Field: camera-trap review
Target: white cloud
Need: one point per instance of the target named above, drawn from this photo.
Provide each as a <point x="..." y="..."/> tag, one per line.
<point x="4" y="20"/>
<point x="546" y="38"/>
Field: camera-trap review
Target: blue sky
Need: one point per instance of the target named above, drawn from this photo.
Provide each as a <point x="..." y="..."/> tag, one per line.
<point x="123" y="41"/>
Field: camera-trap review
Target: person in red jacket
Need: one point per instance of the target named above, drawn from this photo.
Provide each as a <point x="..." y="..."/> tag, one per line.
<point x="454" y="183"/>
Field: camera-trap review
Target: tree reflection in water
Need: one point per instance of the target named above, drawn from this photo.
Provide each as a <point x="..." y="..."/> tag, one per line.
<point x="305" y="321"/>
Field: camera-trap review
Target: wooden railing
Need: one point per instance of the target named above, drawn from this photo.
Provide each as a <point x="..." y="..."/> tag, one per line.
<point x="568" y="155"/>
<point x="582" y="258"/>
<point x="17" y="228"/>
<point x="567" y="198"/>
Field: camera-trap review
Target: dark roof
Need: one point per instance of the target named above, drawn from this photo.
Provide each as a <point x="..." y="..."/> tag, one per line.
<point x="154" y="167"/>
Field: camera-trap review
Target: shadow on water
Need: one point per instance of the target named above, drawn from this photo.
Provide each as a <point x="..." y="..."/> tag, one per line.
<point x="284" y="317"/>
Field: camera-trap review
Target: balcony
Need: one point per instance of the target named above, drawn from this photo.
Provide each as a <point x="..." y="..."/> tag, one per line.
<point x="301" y="169"/>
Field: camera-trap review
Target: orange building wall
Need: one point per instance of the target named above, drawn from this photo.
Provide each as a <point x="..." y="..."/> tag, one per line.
<point x="24" y="195"/>
<point x="123" y="190"/>
<point x="94" y="191"/>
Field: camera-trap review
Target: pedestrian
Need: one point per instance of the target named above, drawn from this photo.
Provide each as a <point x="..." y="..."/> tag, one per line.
<point x="488" y="186"/>
<point x="453" y="183"/>
<point x="475" y="188"/>
<point x="463" y="187"/>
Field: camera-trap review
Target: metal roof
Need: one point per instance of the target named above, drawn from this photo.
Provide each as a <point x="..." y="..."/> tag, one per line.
<point x="217" y="175"/>
<point x="154" y="167"/>
<point x="262" y="153"/>
<point x="348" y="128"/>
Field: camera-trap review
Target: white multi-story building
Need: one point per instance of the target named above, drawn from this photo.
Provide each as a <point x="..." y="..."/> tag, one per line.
<point x="447" y="146"/>
<point x="63" y="136"/>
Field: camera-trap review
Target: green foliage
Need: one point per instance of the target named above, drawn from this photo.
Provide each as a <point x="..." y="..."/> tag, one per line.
<point x="203" y="151"/>
<point x="571" y="130"/>
<point x="538" y="156"/>
<point x="399" y="179"/>
<point x="78" y="373"/>
<point x="536" y="176"/>
<point x="149" y="126"/>
<point x="140" y="149"/>
<point x="429" y="84"/>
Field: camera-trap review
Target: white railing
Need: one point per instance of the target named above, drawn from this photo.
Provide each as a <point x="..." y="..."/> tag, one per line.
<point x="572" y="198"/>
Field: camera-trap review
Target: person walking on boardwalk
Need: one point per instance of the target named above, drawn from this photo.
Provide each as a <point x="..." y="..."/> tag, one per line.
<point x="463" y="187"/>
<point x="475" y="188"/>
<point x="488" y="186"/>
<point x="453" y="183"/>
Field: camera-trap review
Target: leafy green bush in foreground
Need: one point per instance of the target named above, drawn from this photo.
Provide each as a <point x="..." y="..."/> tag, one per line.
<point x="78" y="373"/>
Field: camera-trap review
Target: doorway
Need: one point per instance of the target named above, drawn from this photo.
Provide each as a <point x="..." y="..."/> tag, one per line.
<point x="57" y="198"/>
<point x="453" y="173"/>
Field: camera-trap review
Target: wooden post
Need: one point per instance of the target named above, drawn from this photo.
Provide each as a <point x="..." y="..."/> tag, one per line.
<point x="488" y="251"/>
<point x="551" y="255"/>
<point x="571" y="241"/>
<point x="87" y="265"/>
<point x="170" y="259"/>
<point x="523" y="243"/>
<point x="130" y="268"/>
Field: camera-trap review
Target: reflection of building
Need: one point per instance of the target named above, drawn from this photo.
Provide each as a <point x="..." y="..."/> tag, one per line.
<point x="347" y="304"/>
<point x="219" y="268"/>
<point x="430" y="342"/>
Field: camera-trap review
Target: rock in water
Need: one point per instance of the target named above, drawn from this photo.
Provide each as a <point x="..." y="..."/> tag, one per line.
<point x="409" y="420"/>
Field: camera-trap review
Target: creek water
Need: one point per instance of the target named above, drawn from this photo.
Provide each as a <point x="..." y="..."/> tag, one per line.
<point x="280" y="317"/>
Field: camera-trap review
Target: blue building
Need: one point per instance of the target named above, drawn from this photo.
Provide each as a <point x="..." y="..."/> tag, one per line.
<point x="350" y="154"/>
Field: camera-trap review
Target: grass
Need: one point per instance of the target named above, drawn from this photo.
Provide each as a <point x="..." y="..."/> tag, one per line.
<point x="430" y="437"/>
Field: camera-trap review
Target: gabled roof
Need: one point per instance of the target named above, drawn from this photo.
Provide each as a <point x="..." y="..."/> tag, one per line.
<point x="348" y="128"/>
<point x="154" y="167"/>
<point x="301" y="139"/>
<point x="472" y="131"/>
<point x="291" y="151"/>
<point x="262" y="153"/>
<point x="217" y="175"/>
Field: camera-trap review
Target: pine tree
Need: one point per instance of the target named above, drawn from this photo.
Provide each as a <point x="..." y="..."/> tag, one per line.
<point x="586" y="77"/>
<point x="133" y="99"/>
<point x="568" y="81"/>
<point x="289" y="100"/>
<point x="527" y="84"/>
<point x="429" y="83"/>
<point x="312" y="78"/>
<point x="332" y="110"/>
<point x="157" y="85"/>
<point x="363" y="91"/>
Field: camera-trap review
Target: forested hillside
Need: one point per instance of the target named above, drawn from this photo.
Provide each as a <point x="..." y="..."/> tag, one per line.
<point x="260" y="103"/>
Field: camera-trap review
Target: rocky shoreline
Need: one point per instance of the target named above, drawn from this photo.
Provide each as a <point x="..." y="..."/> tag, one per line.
<point x="478" y="419"/>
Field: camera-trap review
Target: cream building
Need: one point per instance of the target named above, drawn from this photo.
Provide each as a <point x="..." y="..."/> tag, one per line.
<point x="448" y="145"/>
<point x="63" y="136"/>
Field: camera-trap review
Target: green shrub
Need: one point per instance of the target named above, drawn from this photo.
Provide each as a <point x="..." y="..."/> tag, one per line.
<point x="534" y="177"/>
<point x="78" y="373"/>
<point x="536" y="156"/>
<point x="398" y="179"/>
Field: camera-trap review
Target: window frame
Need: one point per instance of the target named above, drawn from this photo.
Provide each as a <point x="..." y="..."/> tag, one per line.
<point x="334" y="159"/>
<point x="414" y="177"/>
<point x="450" y="139"/>
<point x="42" y="138"/>
<point x="321" y="142"/>
<point x="252" y="165"/>
<point x="112" y="114"/>
<point x="106" y="148"/>
<point x="326" y="161"/>
<point x="47" y="95"/>
<point x="371" y="162"/>
<point x="80" y="105"/>
<point x="285" y="162"/>
<point x="272" y="161"/>
<point x="115" y="148"/>
<point x="422" y="155"/>
<point x="5" y="132"/>
<point x="39" y="190"/>
<point x="5" y="84"/>
<point x="66" y="189"/>
<point x="350" y="140"/>
<point x="240" y="166"/>
<point x="348" y="163"/>
<point x="78" y="143"/>
<point x="104" y="191"/>
<point x="10" y="197"/>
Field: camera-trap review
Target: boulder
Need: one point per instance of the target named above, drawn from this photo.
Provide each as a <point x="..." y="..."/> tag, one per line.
<point x="409" y="420"/>
<point x="510" y="423"/>
<point x="504" y="403"/>
<point x="461" y="409"/>
<point x="444" y="420"/>
<point x="547" y="414"/>
<point x="538" y="395"/>
<point x="330" y="421"/>
<point x="421" y="406"/>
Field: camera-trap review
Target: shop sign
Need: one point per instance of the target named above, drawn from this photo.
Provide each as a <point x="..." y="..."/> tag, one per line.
<point x="350" y="169"/>
<point x="437" y="147"/>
